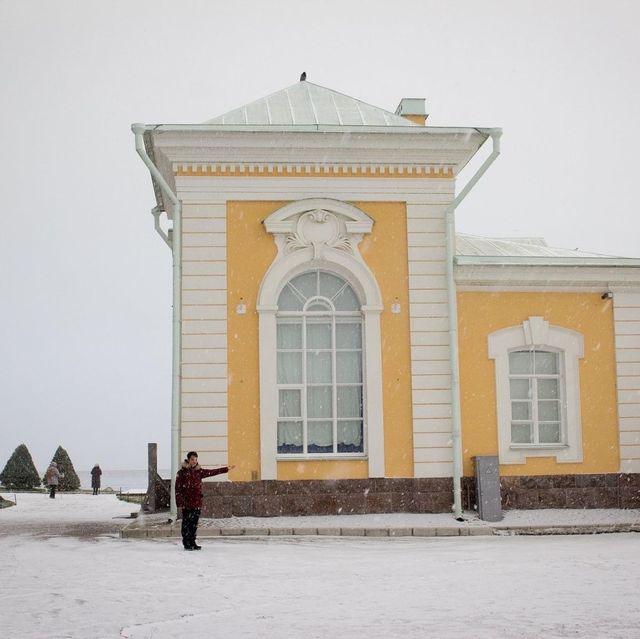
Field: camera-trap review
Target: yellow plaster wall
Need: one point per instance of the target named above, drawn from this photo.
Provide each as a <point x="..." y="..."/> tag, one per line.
<point x="479" y="314"/>
<point x="385" y="252"/>
<point x="250" y="251"/>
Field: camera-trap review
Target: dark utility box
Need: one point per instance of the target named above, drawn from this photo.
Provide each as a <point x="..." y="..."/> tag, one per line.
<point x="488" y="487"/>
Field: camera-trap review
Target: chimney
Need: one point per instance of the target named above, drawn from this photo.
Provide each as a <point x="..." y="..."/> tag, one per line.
<point x="412" y="109"/>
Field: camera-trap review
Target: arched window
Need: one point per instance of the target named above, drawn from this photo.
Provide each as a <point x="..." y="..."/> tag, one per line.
<point x="319" y="367"/>
<point x="319" y="311"/>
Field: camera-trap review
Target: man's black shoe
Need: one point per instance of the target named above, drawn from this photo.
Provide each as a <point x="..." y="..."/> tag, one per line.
<point x="196" y="547"/>
<point x="189" y="548"/>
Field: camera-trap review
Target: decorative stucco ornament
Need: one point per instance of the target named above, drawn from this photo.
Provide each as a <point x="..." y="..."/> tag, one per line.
<point x="319" y="229"/>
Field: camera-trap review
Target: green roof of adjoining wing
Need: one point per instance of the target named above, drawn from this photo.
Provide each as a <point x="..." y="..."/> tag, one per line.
<point x="305" y="103"/>
<point x="514" y="247"/>
<point x="475" y="250"/>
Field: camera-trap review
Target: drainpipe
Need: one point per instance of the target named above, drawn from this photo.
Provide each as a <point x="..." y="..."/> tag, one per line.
<point x="453" y="320"/>
<point x="174" y="241"/>
<point x="156" y="211"/>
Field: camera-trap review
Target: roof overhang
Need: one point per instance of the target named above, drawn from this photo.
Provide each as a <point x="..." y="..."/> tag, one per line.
<point x="172" y="145"/>
<point x="548" y="274"/>
<point x="528" y="260"/>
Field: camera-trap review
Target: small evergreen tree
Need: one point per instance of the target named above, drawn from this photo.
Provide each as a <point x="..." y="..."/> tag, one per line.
<point x="70" y="481"/>
<point x="20" y="472"/>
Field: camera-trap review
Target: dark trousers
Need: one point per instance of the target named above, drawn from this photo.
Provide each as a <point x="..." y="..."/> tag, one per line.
<point x="190" y="519"/>
<point x="52" y="491"/>
<point x="95" y="490"/>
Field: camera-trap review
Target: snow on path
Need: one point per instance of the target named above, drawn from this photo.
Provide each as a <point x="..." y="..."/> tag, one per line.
<point x="68" y="514"/>
<point x="483" y="587"/>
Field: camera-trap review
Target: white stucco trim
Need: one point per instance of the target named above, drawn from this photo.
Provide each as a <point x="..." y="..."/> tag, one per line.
<point x="337" y="251"/>
<point x="626" y="313"/>
<point x="538" y="333"/>
<point x="577" y="278"/>
<point x="202" y="189"/>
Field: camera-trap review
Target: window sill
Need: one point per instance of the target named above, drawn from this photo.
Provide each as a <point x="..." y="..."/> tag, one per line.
<point x="321" y="457"/>
<point x="538" y="447"/>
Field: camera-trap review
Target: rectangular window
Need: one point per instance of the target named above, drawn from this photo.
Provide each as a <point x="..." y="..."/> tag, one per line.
<point x="535" y="396"/>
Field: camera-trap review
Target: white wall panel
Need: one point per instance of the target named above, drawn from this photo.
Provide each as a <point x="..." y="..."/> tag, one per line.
<point x="212" y="414"/>
<point x="203" y="282"/>
<point x="202" y="268"/>
<point x="431" y="381"/>
<point x="204" y="444"/>
<point x="200" y="340"/>
<point x="201" y="296"/>
<point x="629" y="423"/>
<point x="432" y="425"/>
<point x="432" y="440"/>
<point x="429" y="330"/>
<point x="204" y="429"/>
<point x="443" y="454"/>
<point x="626" y="312"/>
<point x="630" y="465"/>
<point x="433" y="469"/>
<point x="207" y="385"/>
<point x="204" y="400"/>
<point x="204" y="312"/>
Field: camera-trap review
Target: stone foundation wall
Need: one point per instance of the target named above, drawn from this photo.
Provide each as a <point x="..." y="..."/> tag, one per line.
<point x="614" y="490"/>
<point x="424" y="495"/>
<point x="326" y="497"/>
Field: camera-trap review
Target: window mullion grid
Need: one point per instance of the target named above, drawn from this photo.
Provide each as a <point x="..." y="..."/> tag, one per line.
<point x="534" y="408"/>
<point x="559" y="379"/>
<point x="304" y="387"/>
<point x="334" y="386"/>
<point x="562" y="397"/>
<point x="363" y="387"/>
<point x="304" y="315"/>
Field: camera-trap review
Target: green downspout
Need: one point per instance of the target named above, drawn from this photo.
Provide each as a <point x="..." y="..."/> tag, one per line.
<point x="175" y="243"/>
<point x="450" y="235"/>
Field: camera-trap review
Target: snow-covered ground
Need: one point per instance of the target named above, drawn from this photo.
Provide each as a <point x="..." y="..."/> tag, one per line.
<point x="75" y="581"/>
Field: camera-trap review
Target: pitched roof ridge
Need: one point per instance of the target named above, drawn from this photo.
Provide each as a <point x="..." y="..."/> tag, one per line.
<point x="248" y="104"/>
<point x="350" y="97"/>
<point x="342" y="104"/>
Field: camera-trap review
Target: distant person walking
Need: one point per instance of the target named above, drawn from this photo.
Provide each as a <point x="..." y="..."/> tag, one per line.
<point x="53" y="476"/>
<point x="95" y="478"/>
<point x="189" y="496"/>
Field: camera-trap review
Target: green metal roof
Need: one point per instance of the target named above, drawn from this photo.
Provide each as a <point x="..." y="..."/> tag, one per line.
<point x="305" y="104"/>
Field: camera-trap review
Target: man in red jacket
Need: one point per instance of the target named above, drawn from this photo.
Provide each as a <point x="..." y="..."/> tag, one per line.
<point x="189" y="496"/>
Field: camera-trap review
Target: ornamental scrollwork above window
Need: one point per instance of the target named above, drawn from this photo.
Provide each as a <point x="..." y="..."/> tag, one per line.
<point x="319" y="229"/>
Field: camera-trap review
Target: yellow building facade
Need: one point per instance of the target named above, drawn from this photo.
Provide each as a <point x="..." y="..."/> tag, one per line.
<point x="337" y="342"/>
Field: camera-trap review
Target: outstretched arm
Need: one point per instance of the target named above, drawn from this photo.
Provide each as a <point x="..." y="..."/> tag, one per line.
<point x="215" y="471"/>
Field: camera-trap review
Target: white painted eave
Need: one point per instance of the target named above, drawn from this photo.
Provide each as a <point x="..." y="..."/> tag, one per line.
<point x="571" y="275"/>
<point x="171" y="145"/>
<point x="199" y="143"/>
<point x="317" y="128"/>
<point x="529" y="260"/>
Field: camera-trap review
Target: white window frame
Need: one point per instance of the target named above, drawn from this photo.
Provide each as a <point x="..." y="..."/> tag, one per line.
<point x="336" y="317"/>
<point x="537" y="334"/>
<point x="310" y="234"/>
<point x="534" y="378"/>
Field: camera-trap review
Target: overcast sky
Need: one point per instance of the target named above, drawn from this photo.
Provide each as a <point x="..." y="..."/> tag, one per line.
<point x="86" y="286"/>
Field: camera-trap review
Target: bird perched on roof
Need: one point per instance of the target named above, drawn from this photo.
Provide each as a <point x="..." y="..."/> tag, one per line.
<point x="303" y="76"/>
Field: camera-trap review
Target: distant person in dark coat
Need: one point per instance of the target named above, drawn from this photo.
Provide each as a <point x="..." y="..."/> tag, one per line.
<point x="189" y="496"/>
<point x="53" y="476"/>
<point x="95" y="478"/>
